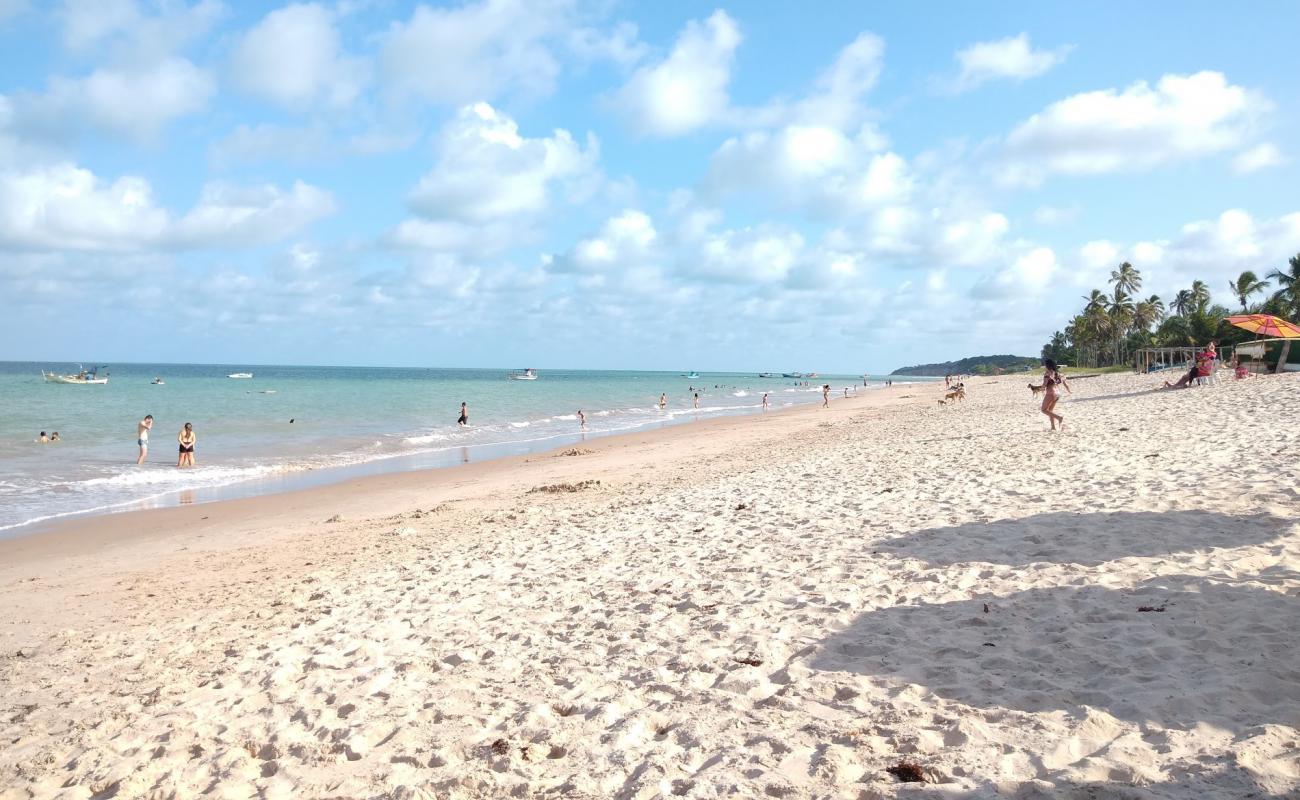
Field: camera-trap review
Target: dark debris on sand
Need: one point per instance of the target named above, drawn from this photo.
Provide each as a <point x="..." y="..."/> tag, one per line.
<point x="907" y="772"/>
<point x="558" y="488"/>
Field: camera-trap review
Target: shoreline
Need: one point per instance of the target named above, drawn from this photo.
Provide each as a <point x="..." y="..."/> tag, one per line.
<point x="101" y="528"/>
<point x="290" y="479"/>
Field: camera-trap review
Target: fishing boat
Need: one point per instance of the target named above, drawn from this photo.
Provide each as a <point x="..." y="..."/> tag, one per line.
<point x="812" y="375"/>
<point x="240" y="375"/>
<point x="523" y="375"/>
<point x="767" y="374"/>
<point x="157" y="382"/>
<point x="691" y="374"/>
<point x="791" y="374"/>
<point x="83" y="377"/>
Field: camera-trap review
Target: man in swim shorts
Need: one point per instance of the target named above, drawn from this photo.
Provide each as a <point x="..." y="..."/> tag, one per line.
<point x="142" y="437"/>
<point x="464" y="415"/>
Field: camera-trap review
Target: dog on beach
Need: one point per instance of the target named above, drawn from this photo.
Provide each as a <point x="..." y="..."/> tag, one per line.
<point x="1037" y="390"/>
<point x="956" y="394"/>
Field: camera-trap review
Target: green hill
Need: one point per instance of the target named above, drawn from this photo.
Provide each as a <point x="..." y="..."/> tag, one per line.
<point x="975" y="365"/>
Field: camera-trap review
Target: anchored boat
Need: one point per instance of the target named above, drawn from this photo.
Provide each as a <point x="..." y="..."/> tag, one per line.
<point x="523" y="375"/>
<point x="83" y="377"/>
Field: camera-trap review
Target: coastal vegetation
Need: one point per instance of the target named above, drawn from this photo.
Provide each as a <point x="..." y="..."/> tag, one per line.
<point x="1117" y="321"/>
<point x="975" y="365"/>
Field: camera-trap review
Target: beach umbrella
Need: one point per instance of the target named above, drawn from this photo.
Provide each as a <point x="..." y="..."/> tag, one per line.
<point x="1266" y="325"/>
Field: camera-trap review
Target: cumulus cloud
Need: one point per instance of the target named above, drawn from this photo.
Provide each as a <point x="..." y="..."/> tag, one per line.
<point x="1259" y="157"/>
<point x="476" y="51"/>
<point x="136" y="103"/>
<point x="687" y="90"/>
<point x="624" y="241"/>
<point x="1182" y="117"/>
<point x="619" y="45"/>
<point x="1010" y="58"/>
<point x="486" y="170"/>
<point x="1027" y="276"/>
<point x="294" y="58"/>
<point x="64" y="207"/>
<point x="135" y="36"/>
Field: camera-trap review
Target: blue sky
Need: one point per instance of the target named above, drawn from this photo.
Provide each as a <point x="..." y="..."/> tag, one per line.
<point x="608" y="185"/>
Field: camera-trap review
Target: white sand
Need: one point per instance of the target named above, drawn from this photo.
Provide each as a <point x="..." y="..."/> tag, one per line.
<point x="780" y="607"/>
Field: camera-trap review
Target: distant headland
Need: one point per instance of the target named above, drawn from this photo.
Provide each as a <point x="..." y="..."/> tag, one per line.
<point x="975" y="365"/>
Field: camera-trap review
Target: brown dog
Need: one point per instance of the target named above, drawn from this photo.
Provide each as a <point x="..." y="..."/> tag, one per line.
<point x="1037" y="390"/>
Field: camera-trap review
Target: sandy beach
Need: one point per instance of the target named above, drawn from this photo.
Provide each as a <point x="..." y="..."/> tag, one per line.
<point x="775" y="606"/>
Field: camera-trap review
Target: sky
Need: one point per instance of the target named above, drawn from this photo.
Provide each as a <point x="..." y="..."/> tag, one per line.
<point x="843" y="187"/>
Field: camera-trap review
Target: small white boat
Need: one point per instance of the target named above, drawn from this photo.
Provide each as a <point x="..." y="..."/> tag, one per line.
<point x="157" y="382"/>
<point x="691" y="374"/>
<point x="524" y="375"/>
<point x="83" y="377"/>
<point x="240" y="375"/>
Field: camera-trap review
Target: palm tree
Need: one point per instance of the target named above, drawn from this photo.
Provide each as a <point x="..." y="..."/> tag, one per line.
<point x="1146" y="314"/>
<point x="1158" y="306"/>
<point x="1094" y="300"/>
<point x="1119" y="311"/>
<point x="1288" y="286"/>
<point x="1200" y="296"/>
<point x="1246" y="285"/>
<point x="1183" y="303"/>
<point x="1126" y="277"/>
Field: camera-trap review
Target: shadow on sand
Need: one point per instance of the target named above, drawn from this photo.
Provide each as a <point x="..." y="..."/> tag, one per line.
<point x="1175" y="652"/>
<point x="1084" y="539"/>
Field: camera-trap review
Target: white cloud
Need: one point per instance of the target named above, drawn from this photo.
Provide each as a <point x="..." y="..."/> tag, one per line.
<point x="135" y="103"/>
<point x="294" y="58"/>
<point x="1259" y="157"/>
<point x="619" y="45"/>
<point x="625" y="241"/>
<point x="63" y="207"/>
<point x="1028" y="276"/>
<point x="251" y="215"/>
<point x="136" y="38"/>
<point x="474" y="52"/>
<point x="688" y="89"/>
<point x="487" y="171"/>
<point x="1009" y="58"/>
<point x="1138" y="128"/>
<point x="1056" y="215"/>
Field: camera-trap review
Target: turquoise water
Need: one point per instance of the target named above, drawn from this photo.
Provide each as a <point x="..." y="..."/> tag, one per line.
<point x="345" y="421"/>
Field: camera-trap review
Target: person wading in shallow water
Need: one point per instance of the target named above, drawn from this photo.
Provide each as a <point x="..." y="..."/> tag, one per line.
<point x="463" y="420"/>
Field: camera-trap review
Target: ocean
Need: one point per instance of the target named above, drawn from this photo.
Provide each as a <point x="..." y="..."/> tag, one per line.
<point x="290" y="427"/>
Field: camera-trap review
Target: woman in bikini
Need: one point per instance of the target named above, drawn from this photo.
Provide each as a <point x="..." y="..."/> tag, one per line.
<point x="1052" y="378"/>
<point x="187" y="438"/>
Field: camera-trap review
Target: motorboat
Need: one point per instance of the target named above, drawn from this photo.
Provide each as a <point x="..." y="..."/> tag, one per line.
<point x="523" y="375"/>
<point x="157" y="382"/>
<point x="691" y="374"/>
<point x="240" y="375"/>
<point x="791" y="374"/>
<point x="811" y="375"/>
<point x="83" y="377"/>
<point x="767" y="375"/>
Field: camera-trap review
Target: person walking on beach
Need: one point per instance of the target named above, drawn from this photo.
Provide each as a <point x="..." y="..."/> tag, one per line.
<point x="1052" y="378"/>
<point x="826" y="395"/>
<point x="463" y="420"/>
<point x="186" y="438"/>
<point x="142" y="437"/>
